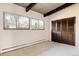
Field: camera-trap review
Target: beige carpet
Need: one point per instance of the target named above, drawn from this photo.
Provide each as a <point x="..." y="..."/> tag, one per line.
<point x="31" y="50"/>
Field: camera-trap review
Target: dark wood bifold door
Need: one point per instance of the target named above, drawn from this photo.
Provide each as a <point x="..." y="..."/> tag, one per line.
<point x="63" y="31"/>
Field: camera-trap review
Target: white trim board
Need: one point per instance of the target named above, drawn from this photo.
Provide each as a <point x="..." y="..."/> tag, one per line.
<point x="21" y="46"/>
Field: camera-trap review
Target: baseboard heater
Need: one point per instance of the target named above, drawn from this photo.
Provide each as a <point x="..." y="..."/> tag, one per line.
<point x="21" y="46"/>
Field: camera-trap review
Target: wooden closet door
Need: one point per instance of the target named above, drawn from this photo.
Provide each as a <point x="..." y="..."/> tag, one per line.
<point x="54" y="30"/>
<point x="71" y="33"/>
<point x="71" y="38"/>
<point x="59" y="31"/>
<point x="64" y="31"/>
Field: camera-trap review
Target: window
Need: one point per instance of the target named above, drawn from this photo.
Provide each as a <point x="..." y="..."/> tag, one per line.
<point x="10" y="21"/>
<point x="23" y="22"/>
<point x="41" y="24"/>
<point x="37" y="24"/>
<point x="34" y="24"/>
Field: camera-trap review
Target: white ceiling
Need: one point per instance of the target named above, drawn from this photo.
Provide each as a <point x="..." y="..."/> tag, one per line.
<point x="22" y="4"/>
<point x="42" y="7"/>
<point x="45" y="7"/>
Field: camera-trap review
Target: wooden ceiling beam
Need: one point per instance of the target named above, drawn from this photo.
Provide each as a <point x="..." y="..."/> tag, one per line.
<point x="31" y="5"/>
<point x="58" y="9"/>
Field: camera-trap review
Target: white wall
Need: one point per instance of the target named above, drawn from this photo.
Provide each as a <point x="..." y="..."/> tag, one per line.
<point x="69" y="12"/>
<point x="10" y="38"/>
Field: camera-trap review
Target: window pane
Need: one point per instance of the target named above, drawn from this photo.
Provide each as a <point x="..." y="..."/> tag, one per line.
<point x="23" y="22"/>
<point x="10" y="21"/>
<point x="34" y="24"/>
<point x="41" y="24"/>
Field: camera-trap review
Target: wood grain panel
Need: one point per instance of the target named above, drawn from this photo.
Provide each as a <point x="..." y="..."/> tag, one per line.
<point x="63" y="31"/>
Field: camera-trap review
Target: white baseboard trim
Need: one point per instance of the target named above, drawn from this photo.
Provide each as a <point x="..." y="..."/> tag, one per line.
<point x="21" y="46"/>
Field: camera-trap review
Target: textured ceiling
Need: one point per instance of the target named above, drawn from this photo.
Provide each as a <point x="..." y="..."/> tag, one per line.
<point x="45" y="7"/>
<point x="22" y="4"/>
<point x="42" y="7"/>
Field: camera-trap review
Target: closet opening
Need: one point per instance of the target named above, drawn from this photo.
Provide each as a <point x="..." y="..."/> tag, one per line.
<point x="63" y="31"/>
